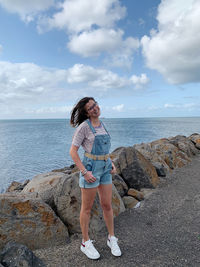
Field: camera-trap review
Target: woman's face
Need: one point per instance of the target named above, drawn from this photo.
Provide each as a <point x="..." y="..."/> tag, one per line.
<point x="92" y="109"/>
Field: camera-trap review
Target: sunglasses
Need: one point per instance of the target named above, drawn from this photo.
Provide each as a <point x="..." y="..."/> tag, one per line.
<point x="93" y="106"/>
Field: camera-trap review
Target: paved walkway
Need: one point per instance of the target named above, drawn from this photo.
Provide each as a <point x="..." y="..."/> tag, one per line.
<point x="164" y="231"/>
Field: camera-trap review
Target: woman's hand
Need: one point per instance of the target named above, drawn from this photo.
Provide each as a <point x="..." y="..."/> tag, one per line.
<point x="113" y="171"/>
<point x="89" y="177"/>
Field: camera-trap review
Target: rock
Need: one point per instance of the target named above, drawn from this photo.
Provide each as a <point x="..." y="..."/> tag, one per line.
<point x="184" y="144"/>
<point x="67" y="198"/>
<point x="135" y="169"/>
<point x="155" y="158"/>
<point x="14" y="255"/>
<point x="16" y="186"/>
<point x="195" y="138"/>
<point x="66" y="170"/>
<point x="171" y="154"/>
<point x="147" y="192"/>
<point x="163" y="152"/>
<point x="136" y="194"/>
<point x="45" y="184"/>
<point x="120" y="185"/>
<point x="29" y="221"/>
<point x="129" y="202"/>
<point x="160" y="169"/>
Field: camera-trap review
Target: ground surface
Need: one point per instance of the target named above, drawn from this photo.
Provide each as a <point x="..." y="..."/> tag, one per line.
<point x="163" y="231"/>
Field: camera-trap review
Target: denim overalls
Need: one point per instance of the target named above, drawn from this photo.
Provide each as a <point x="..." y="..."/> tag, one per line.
<point x="100" y="168"/>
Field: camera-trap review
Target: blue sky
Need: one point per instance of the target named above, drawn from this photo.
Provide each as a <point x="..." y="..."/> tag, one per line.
<point x="137" y="58"/>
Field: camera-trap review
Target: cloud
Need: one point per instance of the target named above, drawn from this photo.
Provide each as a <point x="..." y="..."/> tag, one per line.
<point x="173" y="49"/>
<point x="50" y="110"/>
<point x="91" y="29"/>
<point x="118" y="108"/>
<point x="93" y="43"/>
<point x="26" y="9"/>
<point x="27" y="81"/>
<point x="77" y="15"/>
<point x="140" y="81"/>
<point x="103" y="78"/>
<point x="30" y="82"/>
<point x="189" y="106"/>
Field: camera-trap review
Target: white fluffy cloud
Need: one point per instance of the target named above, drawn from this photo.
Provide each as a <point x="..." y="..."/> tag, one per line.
<point x="173" y="49"/>
<point x="26" y="9"/>
<point x="92" y="31"/>
<point x="140" y="81"/>
<point x="78" y="15"/>
<point x="102" y="78"/>
<point x="27" y="81"/>
<point x="30" y="82"/>
<point x="94" y="42"/>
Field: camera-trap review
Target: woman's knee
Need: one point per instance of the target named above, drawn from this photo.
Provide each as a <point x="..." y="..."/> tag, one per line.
<point x="86" y="209"/>
<point x="106" y="206"/>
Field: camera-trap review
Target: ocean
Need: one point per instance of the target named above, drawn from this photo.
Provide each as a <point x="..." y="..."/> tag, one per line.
<point x="31" y="147"/>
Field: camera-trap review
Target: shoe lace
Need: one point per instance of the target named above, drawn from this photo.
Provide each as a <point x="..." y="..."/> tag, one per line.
<point x="91" y="244"/>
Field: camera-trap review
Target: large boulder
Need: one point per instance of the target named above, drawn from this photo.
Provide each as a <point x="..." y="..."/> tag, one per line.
<point x="44" y="185"/>
<point x="29" y="221"/>
<point x="15" y="254"/>
<point x="195" y="138"/>
<point x="156" y="159"/>
<point x="67" y="198"/>
<point x="164" y="152"/>
<point x="184" y="144"/>
<point x="171" y="154"/>
<point x="134" y="168"/>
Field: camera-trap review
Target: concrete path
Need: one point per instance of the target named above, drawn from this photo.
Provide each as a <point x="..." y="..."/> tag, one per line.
<point x="163" y="231"/>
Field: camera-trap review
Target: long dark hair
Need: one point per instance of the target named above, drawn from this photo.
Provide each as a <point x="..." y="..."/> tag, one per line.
<point x="78" y="113"/>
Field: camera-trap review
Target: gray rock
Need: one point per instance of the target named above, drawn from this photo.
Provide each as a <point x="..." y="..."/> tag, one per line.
<point x="44" y="184"/>
<point x="184" y="144"/>
<point x="195" y="138"/>
<point x="17" y="186"/>
<point x="129" y="202"/>
<point x="15" y="255"/>
<point x="135" y="169"/>
<point x="120" y="185"/>
<point x="160" y="169"/>
<point x="29" y="221"/>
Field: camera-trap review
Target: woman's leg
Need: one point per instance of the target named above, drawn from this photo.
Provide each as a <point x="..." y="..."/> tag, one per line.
<point x="105" y="196"/>
<point x="88" y="196"/>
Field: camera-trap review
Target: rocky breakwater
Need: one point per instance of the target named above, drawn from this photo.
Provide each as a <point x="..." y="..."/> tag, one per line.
<point x="45" y="211"/>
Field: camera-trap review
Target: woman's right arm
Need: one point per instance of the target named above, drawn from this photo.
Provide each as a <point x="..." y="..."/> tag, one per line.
<point x="75" y="157"/>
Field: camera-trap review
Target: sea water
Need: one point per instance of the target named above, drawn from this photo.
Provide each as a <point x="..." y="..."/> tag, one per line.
<point x="31" y="147"/>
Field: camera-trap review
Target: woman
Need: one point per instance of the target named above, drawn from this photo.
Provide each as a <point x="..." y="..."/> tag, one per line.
<point x="95" y="171"/>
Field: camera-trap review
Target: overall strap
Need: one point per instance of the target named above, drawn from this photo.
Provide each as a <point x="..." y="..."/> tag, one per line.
<point x="91" y="127"/>
<point x="105" y="128"/>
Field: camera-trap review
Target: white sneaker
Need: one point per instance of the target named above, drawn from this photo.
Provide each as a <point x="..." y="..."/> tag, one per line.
<point x="89" y="250"/>
<point x="112" y="243"/>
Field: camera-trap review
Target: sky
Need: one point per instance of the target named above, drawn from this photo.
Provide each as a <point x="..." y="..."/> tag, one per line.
<point x="137" y="58"/>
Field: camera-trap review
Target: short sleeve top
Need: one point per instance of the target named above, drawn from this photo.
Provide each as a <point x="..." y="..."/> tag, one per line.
<point x="84" y="136"/>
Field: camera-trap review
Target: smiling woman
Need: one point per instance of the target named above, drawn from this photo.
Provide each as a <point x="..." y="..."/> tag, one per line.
<point x="95" y="170"/>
